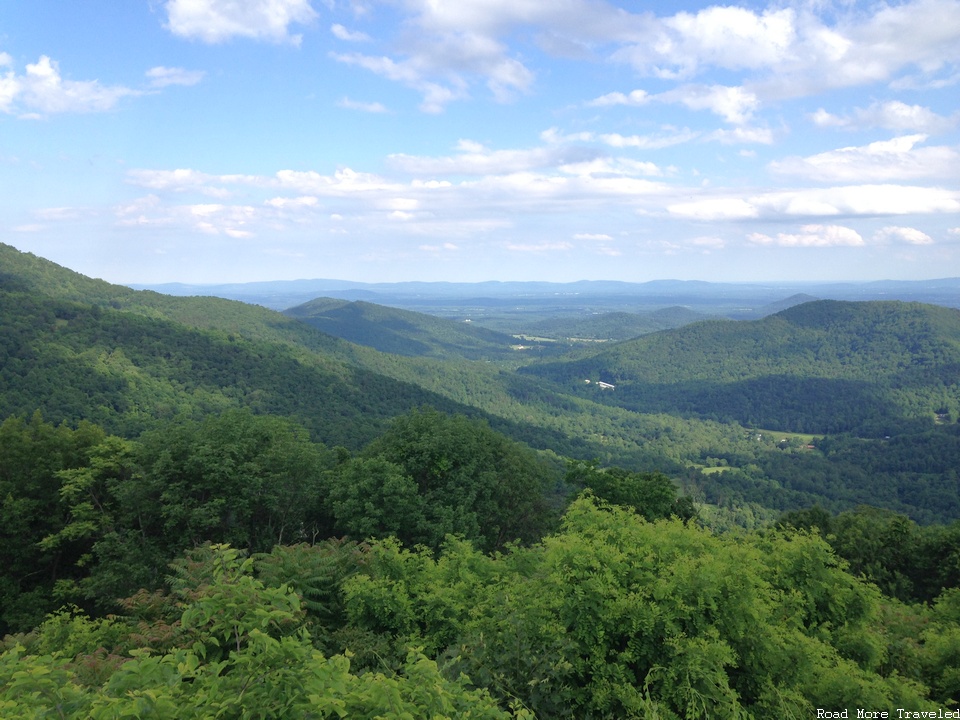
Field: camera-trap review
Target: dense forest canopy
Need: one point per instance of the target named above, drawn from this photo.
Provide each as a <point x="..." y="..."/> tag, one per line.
<point x="212" y="509"/>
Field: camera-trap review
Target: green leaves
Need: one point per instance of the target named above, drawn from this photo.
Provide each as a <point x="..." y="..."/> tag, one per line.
<point x="242" y="656"/>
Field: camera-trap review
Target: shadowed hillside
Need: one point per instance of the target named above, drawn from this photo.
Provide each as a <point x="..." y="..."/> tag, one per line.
<point x="403" y="332"/>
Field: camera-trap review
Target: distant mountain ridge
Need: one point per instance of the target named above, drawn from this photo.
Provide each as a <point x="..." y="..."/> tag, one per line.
<point x="822" y="366"/>
<point x="284" y="294"/>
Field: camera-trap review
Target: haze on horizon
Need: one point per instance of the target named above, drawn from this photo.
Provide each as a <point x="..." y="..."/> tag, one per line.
<point x="216" y="141"/>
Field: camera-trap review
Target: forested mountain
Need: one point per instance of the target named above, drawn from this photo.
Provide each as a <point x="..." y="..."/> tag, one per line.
<point x="614" y="325"/>
<point x="210" y="509"/>
<point x="820" y="367"/>
<point x="127" y="359"/>
<point x="403" y="332"/>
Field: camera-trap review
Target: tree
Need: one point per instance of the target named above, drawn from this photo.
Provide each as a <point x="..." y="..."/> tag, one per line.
<point x="243" y="654"/>
<point x="249" y="480"/>
<point x="471" y="480"/>
<point x="652" y="495"/>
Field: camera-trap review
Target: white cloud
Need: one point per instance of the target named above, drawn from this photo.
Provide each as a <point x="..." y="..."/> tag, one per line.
<point x="41" y="90"/>
<point x="344" y="182"/>
<point x="478" y="160"/>
<point x="876" y="200"/>
<point x="453" y="45"/>
<point x="908" y="235"/>
<point x="648" y="142"/>
<point x="793" y="51"/>
<point x="896" y="159"/>
<point x="341" y="33"/>
<point x="812" y="236"/>
<point x="732" y="37"/>
<point x="862" y="200"/>
<point x="161" y="76"/>
<point x="634" y="99"/>
<point x="305" y="201"/>
<point x="186" y="180"/>
<point x="728" y="37"/>
<point x="370" y="107"/>
<point x="723" y="208"/>
<point x="206" y="218"/>
<point x="867" y="47"/>
<point x="214" y="21"/>
<point x="740" y="135"/>
<point x="540" y="247"/>
<point x="710" y="242"/>
<point x="435" y="95"/>
<point x="592" y="236"/>
<point x="733" y="104"/>
<point x="892" y="115"/>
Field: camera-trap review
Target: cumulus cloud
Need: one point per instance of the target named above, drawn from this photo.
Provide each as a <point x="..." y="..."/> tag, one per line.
<point x="791" y="52"/>
<point x="891" y="115"/>
<point x="728" y="37"/>
<point x="869" y="46"/>
<point x="451" y="46"/>
<point x="733" y="104"/>
<point x="215" y="21"/>
<point x="444" y="49"/>
<point x="812" y="236"/>
<point x="908" y="235"/>
<point x="41" y="90"/>
<point x="896" y="159"/>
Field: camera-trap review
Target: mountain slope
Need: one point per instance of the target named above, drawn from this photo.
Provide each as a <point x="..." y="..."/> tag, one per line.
<point x="403" y="332"/>
<point x="823" y="366"/>
<point x="75" y="362"/>
<point x="82" y="349"/>
<point x="614" y="325"/>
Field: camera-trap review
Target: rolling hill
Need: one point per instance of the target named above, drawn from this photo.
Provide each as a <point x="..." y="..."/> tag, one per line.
<point x="613" y="325"/>
<point x="819" y="367"/>
<point x="403" y="332"/>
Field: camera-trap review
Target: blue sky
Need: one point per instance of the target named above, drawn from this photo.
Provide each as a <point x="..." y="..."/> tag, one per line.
<point x="466" y="140"/>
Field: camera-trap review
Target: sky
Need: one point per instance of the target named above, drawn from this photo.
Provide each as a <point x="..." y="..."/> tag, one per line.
<point x="213" y="141"/>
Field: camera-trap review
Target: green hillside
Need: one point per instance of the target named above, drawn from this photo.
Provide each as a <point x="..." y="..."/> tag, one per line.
<point x="613" y="325"/>
<point x="819" y="367"/>
<point x="221" y="511"/>
<point x="688" y="402"/>
<point x="124" y="371"/>
<point x="403" y="332"/>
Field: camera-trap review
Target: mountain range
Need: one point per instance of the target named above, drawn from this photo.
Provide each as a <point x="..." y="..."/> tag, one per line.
<point x="817" y="401"/>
